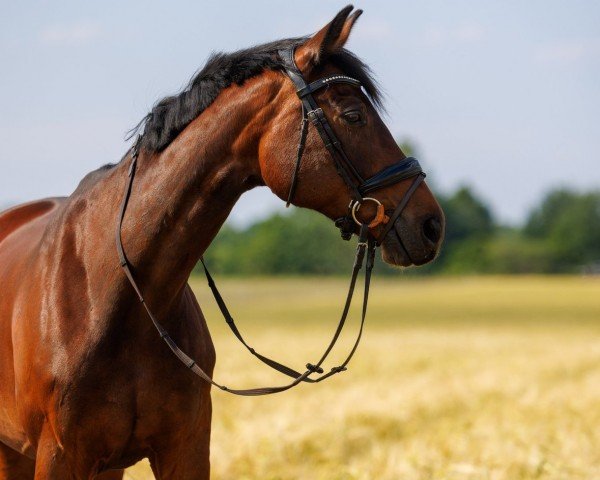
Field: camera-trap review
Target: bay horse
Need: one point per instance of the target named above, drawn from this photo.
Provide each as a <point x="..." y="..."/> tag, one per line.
<point x="87" y="387"/>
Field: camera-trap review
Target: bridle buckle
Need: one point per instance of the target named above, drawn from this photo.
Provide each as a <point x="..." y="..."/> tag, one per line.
<point x="315" y="115"/>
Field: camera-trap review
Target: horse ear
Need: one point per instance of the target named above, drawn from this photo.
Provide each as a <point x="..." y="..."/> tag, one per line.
<point x="330" y="39"/>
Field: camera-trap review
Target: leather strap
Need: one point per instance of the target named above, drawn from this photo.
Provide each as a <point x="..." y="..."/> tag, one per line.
<point x="407" y="168"/>
<point x="312" y="112"/>
<point x="365" y="244"/>
<point x="314" y="368"/>
<point x="323" y="82"/>
<point x="299" y="153"/>
<point x="400" y="207"/>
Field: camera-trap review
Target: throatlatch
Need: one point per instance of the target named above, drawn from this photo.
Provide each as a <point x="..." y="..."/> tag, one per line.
<point x="349" y="225"/>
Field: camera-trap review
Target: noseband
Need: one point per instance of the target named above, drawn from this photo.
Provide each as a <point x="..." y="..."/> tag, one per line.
<point x="359" y="189"/>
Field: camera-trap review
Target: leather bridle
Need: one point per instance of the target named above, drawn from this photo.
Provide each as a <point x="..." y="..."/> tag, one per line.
<point x="358" y="186"/>
<point x="367" y="243"/>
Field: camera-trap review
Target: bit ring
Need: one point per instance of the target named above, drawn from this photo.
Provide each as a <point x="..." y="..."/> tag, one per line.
<point x="380" y="216"/>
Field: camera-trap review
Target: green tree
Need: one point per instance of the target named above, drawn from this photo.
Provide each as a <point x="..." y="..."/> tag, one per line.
<point x="300" y="243"/>
<point x="568" y="224"/>
<point x="469" y="225"/>
<point x="467" y="216"/>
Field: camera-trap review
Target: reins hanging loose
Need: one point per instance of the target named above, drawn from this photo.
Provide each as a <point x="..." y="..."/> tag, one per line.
<point x="366" y="247"/>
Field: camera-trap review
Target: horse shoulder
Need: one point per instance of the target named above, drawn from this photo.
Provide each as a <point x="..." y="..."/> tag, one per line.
<point x="21" y="229"/>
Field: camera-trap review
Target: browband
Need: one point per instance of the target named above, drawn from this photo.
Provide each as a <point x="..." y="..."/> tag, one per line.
<point x="323" y="82"/>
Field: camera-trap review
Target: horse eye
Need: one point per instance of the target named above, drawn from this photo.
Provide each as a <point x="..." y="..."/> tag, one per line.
<point x="353" y="117"/>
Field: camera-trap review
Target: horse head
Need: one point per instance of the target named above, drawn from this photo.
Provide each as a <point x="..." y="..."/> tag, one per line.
<point x="347" y="152"/>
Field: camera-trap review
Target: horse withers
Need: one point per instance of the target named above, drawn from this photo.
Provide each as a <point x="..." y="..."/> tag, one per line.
<point x="87" y="387"/>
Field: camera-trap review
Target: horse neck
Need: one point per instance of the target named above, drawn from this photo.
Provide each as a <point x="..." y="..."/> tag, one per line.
<point x="182" y="196"/>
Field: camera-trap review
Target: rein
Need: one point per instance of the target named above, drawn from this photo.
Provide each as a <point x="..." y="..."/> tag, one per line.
<point x="366" y="247"/>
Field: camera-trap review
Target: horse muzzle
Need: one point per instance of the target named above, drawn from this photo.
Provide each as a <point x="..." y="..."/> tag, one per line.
<point x="413" y="242"/>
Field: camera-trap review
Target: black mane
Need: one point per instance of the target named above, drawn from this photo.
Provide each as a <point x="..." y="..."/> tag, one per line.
<point x="172" y="114"/>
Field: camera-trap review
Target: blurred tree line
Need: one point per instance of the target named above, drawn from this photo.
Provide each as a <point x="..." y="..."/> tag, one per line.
<point x="560" y="235"/>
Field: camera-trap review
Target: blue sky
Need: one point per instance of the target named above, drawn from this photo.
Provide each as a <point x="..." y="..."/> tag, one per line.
<point x="503" y="96"/>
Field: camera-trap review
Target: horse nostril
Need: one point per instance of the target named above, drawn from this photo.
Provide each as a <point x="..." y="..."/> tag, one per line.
<point x="432" y="229"/>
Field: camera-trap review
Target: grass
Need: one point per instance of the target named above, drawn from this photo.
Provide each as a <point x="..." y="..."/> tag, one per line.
<point x="457" y="378"/>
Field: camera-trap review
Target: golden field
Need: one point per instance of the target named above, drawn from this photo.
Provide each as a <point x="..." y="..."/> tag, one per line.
<point x="456" y="378"/>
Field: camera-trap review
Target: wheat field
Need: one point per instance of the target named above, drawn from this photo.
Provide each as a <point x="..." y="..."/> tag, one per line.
<point x="457" y="378"/>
